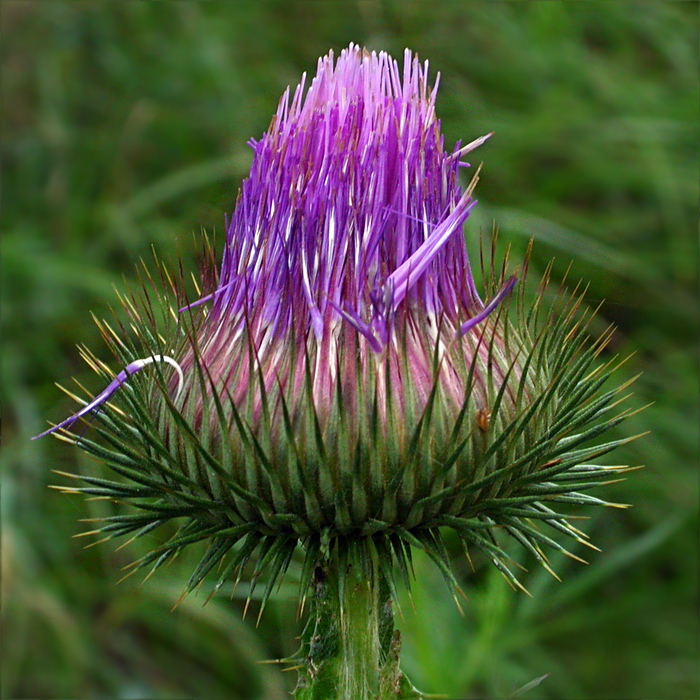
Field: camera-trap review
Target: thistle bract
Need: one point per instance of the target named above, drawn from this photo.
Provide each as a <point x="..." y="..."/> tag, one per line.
<point x="341" y="384"/>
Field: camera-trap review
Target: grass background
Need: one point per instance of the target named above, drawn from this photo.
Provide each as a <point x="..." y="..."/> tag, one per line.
<point x="123" y="130"/>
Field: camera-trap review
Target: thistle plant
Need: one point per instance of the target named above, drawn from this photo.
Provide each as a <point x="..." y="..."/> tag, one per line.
<point x="340" y="393"/>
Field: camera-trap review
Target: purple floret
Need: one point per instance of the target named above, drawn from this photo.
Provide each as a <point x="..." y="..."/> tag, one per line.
<point x="112" y="387"/>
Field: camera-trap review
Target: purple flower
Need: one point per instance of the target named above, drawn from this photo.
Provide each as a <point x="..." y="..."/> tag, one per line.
<point x="342" y="384"/>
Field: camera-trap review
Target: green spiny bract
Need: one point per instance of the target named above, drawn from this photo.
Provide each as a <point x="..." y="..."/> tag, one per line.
<point x="256" y="486"/>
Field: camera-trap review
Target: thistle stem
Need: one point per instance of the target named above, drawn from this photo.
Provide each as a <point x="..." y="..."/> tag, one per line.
<point x="350" y="647"/>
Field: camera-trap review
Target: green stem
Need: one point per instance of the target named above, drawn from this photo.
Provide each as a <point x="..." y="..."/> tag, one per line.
<point x="350" y="647"/>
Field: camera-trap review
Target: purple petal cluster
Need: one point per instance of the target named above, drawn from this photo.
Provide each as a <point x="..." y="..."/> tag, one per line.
<point x="347" y="235"/>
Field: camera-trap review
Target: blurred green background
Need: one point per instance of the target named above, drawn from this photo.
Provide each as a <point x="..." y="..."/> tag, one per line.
<point x="124" y="130"/>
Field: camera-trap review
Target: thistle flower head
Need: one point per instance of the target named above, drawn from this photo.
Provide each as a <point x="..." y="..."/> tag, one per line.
<point x="342" y="384"/>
